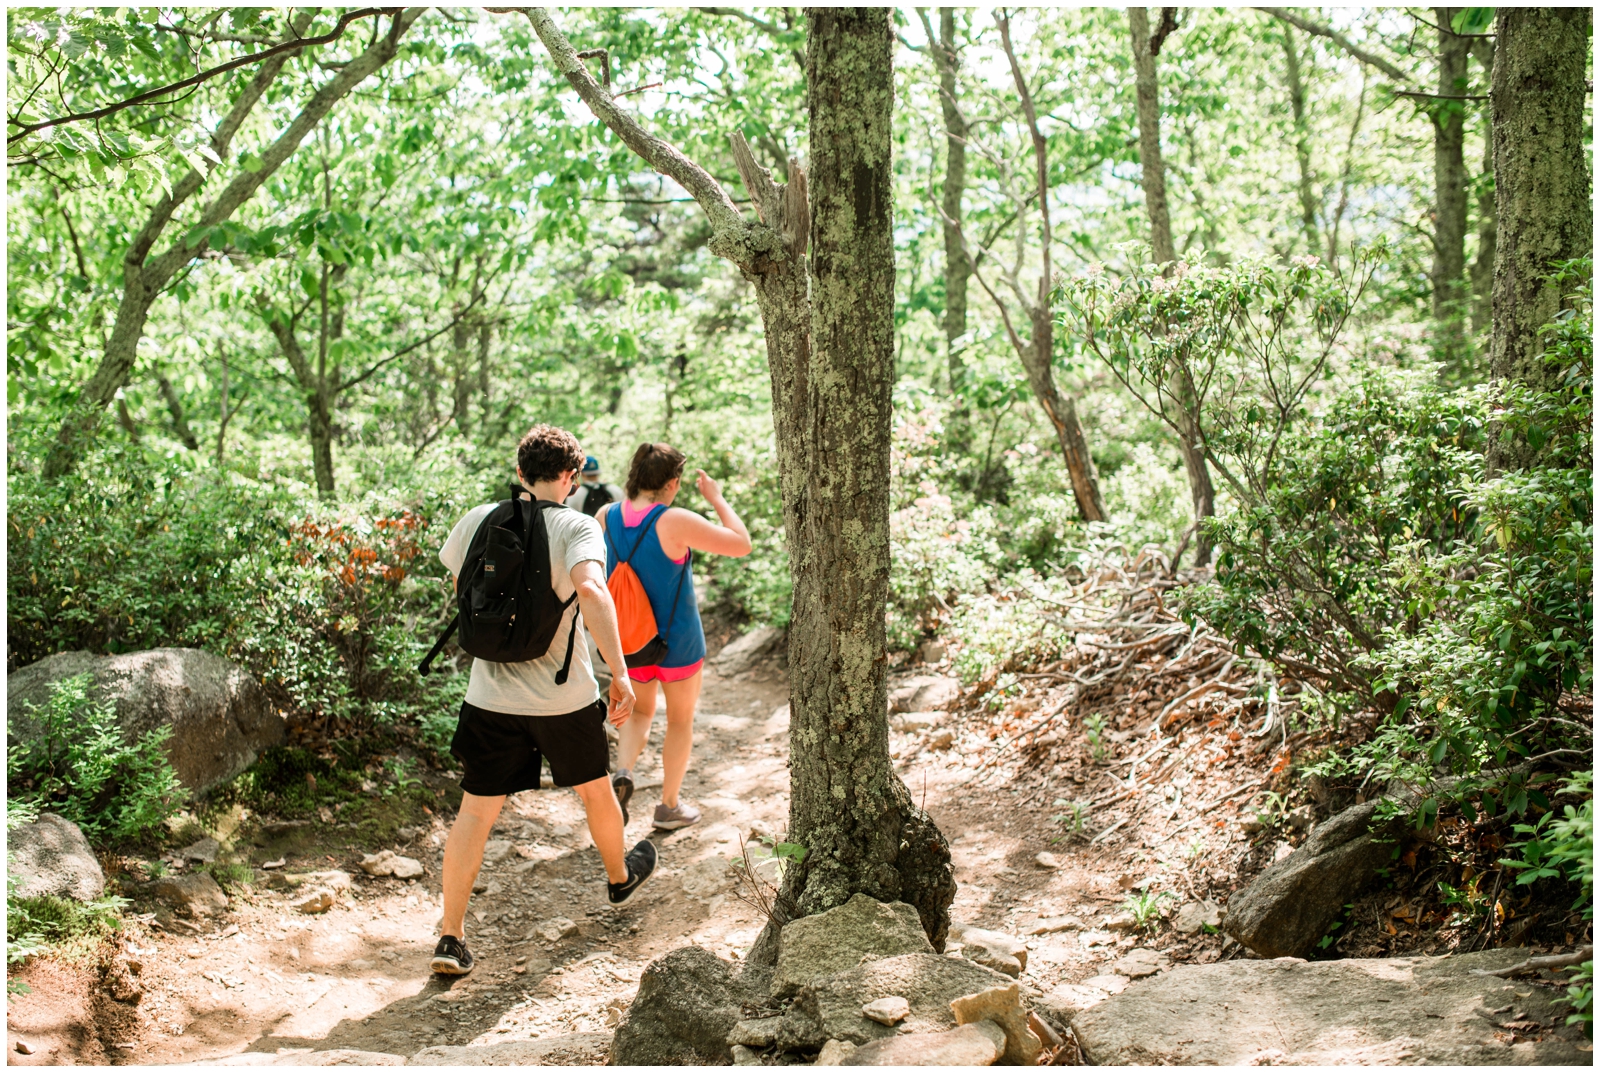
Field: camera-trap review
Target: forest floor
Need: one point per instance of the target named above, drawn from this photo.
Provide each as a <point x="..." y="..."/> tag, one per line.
<point x="1163" y="819"/>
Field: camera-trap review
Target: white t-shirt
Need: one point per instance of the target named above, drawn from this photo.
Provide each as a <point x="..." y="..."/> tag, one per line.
<point x="530" y="688"/>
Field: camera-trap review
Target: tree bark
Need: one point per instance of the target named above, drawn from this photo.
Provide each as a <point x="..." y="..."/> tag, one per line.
<point x="315" y="388"/>
<point x="1202" y="494"/>
<point x="1483" y="264"/>
<point x="849" y="809"/>
<point x="957" y="265"/>
<point x="829" y="402"/>
<point x="180" y="423"/>
<point x="145" y="277"/>
<point x="1448" y="274"/>
<point x="1302" y="139"/>
<point x="1542" y="189"/>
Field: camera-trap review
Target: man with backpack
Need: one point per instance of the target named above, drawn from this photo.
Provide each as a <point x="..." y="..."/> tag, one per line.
<point x="593" y="493"/>
<point x="519" y="565"/>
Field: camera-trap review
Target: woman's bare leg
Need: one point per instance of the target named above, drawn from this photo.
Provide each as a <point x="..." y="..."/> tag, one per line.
<point x="635" y="732"/>
<point x="682" y="698"/>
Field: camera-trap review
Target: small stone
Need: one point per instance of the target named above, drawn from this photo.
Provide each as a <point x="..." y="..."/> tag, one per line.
<point x="1192" y="916"/>
<point x="889" y="1010"/>
<point x="942" y="739"/>
<point x="407" y="834"/>
<point x="561" y="830"/>
<point x="1002" y="1006"/>
<point x="1068" y="999"/>
<point x="195" y="952"/>
<point x="932" y="652"/>
<point x="1140" y="963"/>
<point x="977" y="1044"/>
<point x="1047" y="860"/>
<point x="496" y="850"/>
<point x="1302" y="818"/>
<point x="991" y="949"/>
<point x="315" y="901"/>
<point x="279" y="863"/>
<point x="1250" y="825"/>
<point x="834" y="1052"/>
<point x="1122" y="922"/>
<point x="197" y="894"/>
<point x="744" y="1056"/>
<point x="759" y="1033"/>
<point x="557" y="929"/>
<point x="1280" y="851"/>
<point x="205" y="851"/>
<point x="1051" y="925"/>
<point x="24" y="1047"/>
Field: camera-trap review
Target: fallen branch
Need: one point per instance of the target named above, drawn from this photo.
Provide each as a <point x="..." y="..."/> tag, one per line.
<point x="1552" y="961"/>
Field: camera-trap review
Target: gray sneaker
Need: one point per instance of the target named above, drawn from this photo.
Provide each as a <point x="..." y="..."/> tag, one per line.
<point x="670" y="819"/>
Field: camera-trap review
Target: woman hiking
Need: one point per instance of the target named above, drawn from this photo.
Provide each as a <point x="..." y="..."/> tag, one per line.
<point x="658" y="541"/>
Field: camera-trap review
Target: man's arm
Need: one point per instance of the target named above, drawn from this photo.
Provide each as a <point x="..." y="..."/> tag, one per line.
<point x="600" y="615"/>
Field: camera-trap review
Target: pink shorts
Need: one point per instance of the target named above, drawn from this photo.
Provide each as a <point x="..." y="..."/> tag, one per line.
<point x="665" y="674"/>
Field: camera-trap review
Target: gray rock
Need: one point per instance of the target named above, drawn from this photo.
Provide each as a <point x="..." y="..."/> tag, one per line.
<point x="51" y="856"/>
<point x="196" y="894"/>
<point x="743" y="653"/>
<point x="834" y="1052"/>
<point x="816" y="947"/>
<point x="991" y="949"/>
<point x="977" y="1044"/>
<point x="1140" y="963"/>
<point x="204" y="850"/>
<point x="889" y="1010"/>
<point x="759" y="1033"/>
<point x="923" y="693"/>
<point x="220" y="717"/>
<point x="831" y="1008"/>
<point x="1285" y="910"/>
<point x="1379" y="1011"/>
<point x="743" y="1056"/>
<point x="574" y="1049"/>
<point x="688" y="1002"/>
<point x="1193" y="916"/>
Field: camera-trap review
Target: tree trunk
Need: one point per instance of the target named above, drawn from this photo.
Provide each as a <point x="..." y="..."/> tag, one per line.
<point x="1483" y="264"/>
<point x="144" y="277"/>
<point x="1202" y="495"/>
<point x="180" y="423"/>
<point x="957" y="266"/>
<point x="829" y="404"/>
<point x="862" y="831"/>
<point x="1302" y="139"/>
<point x="1448" y="275"/>
<point x="1542" y="188"/>
<point x="1154" y="174"/>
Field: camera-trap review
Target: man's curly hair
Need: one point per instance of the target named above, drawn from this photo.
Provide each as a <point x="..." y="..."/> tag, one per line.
<point x="547" y="452"/>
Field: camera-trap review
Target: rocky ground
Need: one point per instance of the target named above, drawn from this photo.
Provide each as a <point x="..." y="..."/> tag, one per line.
<point x="1107" y="864"/>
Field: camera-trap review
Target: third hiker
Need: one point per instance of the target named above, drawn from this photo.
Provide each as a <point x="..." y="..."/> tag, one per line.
<point x="658" y="541"/>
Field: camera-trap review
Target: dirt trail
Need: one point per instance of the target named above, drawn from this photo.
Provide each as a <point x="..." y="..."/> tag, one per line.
<point x="263" y="980"/>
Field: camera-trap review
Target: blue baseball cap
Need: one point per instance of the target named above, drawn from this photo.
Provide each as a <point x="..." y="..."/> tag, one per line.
<point x="591" y="464"/>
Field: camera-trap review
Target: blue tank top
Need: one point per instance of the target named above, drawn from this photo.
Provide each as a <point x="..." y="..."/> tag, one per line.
<point x="686" y="639"/>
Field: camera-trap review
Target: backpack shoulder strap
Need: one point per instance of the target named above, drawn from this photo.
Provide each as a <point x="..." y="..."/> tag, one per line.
<point x="643" y="532"/>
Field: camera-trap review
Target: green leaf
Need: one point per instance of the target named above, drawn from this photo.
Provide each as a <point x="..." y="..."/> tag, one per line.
<point x="1472" y="20"/>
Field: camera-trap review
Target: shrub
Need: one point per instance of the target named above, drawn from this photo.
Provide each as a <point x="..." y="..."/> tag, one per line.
<point x="1304" y="574"/>
<point x="80" y="766"/>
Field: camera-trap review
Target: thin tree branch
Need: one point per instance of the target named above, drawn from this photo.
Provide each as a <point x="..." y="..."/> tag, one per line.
<point x="1294" y="18"/>
<point x="25" y="129"/>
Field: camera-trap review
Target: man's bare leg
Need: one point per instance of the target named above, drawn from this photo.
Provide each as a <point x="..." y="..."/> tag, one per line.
<point x="463" y="856"/>
<point x="605" y="825"/>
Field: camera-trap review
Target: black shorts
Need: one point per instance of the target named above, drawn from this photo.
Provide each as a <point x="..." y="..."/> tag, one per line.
<point x="500" y="753"/>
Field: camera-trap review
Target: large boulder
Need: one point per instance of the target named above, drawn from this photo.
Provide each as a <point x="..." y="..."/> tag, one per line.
<point x="688" y="1002"/>
<point x="816" y="947"/>
<point x="1377" y="1011"/>
<point x="220" y="717"/>
<point x="1286" y="909"/>
<point x="744" y="652"/>
<point x="831" y="1008"/>
<point x="51" y="856"/>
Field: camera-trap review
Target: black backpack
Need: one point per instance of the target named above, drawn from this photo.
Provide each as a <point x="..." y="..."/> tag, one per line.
<point x="505" y="606"/>
<point x="595" y="498"/>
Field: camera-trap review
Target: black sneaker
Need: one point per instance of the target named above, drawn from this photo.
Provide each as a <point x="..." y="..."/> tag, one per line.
<point x="451" y="957"/>
<point x="641" y="862"/>
<point x="622" y="784"/>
